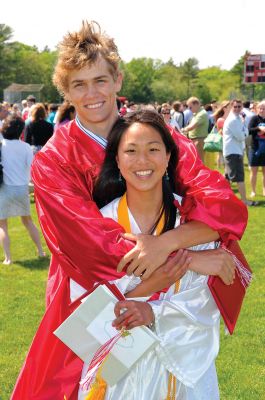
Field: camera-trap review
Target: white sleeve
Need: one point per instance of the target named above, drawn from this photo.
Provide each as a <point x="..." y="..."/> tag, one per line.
<point x="127" y="283"/>
<point x="187" y="324"/>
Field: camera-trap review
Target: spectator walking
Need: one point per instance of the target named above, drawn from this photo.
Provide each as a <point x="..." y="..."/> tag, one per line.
<point x="38" y="131"/>
<point x="256" y="156"/>
<point x="26" y="112"/>
<point x="14" y="196"/>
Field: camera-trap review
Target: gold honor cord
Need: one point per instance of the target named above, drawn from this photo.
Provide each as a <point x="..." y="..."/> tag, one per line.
<point x="172" y="381"/>
<point x="124" y="221"/>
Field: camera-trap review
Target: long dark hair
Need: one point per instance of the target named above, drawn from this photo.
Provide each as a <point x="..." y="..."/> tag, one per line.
<point x="109" y="185"/>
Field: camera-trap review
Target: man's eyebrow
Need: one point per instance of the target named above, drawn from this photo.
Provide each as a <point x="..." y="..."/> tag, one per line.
<point x="94" y="78"/>
<point x="77" y="80"/>
<point x="100" y="76"/>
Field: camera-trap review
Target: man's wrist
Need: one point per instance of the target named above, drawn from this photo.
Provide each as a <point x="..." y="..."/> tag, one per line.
<point x="170" y="241"/>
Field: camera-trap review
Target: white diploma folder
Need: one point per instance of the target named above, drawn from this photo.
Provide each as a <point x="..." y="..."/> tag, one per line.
<point x="90" y="326"/>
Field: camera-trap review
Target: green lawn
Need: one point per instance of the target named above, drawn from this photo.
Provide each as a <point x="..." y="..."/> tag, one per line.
<point x="241" y="361"/>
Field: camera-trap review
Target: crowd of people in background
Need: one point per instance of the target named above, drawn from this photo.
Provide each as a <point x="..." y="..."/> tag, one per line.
<point x="241" y="123"/>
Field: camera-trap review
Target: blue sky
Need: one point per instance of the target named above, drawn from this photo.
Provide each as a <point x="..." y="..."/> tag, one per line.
<point x="216" y="33"/>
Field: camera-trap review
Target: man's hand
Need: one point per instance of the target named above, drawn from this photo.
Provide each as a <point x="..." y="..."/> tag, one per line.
<point x="131" y="313"/>
<point x="174" y="268"/>
<point x="214" y="262"/>
<point x="148" y="254"/>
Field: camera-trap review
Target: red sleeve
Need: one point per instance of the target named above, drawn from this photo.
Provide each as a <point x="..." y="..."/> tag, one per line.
<point x="87" y="246"/>
<point x="207" y="195"/>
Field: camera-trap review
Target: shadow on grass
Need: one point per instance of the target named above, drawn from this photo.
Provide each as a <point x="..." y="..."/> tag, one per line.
<point x="34" y="263"/>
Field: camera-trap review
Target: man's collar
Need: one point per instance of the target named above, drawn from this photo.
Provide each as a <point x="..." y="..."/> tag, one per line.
<point x="99" y="139"/>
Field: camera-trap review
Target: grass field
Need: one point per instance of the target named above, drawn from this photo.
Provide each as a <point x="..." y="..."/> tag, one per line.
<point x="241" y="361"/>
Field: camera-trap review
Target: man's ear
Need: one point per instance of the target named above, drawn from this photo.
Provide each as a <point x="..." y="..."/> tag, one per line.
<point x="118" y="82"/>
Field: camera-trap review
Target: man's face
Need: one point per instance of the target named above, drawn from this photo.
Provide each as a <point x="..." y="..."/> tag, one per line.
<point x="92" y="90"/>
<point x="30" y="103"/>
<point x="237" y="108"/>
<point x="261" y="110"/>
<point x="194" y="107"/>
<point x="3" y="113"/>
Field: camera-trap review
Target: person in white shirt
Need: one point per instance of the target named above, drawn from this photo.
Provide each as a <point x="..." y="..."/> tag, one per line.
<point x="166" y="114"/>
<point x="235" y="133"/>
<point x="14" y="197"/>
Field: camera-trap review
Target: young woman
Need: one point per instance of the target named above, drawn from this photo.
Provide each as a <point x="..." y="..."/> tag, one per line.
<point x="38" y="131"/>
<point x="14" y="194"/>
<point x="137" y="184"/>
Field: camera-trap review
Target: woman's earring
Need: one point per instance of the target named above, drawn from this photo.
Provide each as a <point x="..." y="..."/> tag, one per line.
<point x="120" y="177"/>
<point x="166" y="176"/>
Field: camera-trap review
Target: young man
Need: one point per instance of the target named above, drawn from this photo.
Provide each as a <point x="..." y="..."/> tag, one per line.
<point x="85" y="247"/>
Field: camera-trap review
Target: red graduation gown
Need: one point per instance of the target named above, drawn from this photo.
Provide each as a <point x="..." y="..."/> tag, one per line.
<point x="87" y="247"/>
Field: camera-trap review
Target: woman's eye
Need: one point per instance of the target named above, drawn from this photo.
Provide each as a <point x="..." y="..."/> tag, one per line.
<point x="130" y="151"/>
<point x="154" y="149"/>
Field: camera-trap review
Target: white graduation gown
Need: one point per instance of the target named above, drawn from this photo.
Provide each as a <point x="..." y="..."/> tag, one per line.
<point x="187" y="324"/>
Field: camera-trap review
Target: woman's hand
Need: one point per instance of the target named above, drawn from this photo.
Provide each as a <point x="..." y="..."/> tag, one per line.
<point x="213" y="262"/>
<point x="149" y="253"/>
<point x="175" y="267"/>
<point x="262" y="129"/>
<point x="132" y="313"/>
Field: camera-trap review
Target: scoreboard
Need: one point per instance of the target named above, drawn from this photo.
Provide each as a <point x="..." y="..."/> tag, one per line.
<point x="254" y="68"/>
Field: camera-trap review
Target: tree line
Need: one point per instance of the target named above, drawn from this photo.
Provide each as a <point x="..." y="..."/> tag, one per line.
<point x="146" y="80"/>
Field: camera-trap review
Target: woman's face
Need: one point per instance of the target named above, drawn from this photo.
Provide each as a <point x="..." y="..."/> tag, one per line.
<point x="261" y="110"/>
<point x="142" y="158"/>
<point x="166" y="114"/>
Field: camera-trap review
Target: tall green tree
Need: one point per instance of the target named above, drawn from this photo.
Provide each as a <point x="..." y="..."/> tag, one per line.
<point x="139" y="75"/>
<point x="189" y="71"/>
<point x="167" y="85"/>
<point x="5" y="35"/>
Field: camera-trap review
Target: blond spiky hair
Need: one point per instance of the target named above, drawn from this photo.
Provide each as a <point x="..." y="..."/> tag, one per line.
<point x="78" y="49"/>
